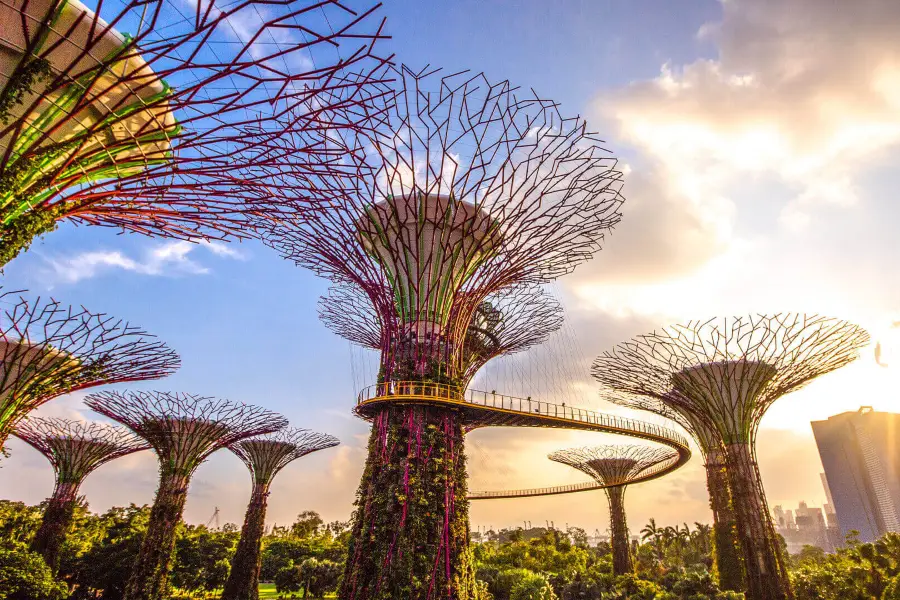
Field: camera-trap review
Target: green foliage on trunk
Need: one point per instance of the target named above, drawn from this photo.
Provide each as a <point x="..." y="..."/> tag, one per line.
<point x="410" y="533"/>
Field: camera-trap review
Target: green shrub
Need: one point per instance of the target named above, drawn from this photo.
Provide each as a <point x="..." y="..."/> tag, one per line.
<point x="25" y="576"/>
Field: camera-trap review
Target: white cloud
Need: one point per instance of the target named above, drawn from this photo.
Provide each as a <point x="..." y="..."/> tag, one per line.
<point x="168" y="259"/>
<point x="803" y="91"/>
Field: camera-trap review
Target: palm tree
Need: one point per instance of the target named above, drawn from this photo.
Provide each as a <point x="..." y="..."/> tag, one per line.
<point x="650" y="531"/>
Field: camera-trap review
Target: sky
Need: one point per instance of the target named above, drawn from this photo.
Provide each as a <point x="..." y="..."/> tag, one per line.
<point x="760" y="140"/>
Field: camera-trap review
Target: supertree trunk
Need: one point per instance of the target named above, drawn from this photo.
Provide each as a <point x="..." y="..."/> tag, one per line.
<point x="621" y="548"/>
<point x="759" y="545"/>
<point x="410" y="528"/>
<point x="55" y="523"/>
<point x="150" y="574"/>
<point x="727" y="553"/>
<point x="243" y="580"/>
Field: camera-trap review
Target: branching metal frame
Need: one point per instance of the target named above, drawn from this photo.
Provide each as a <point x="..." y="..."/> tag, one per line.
<point x="459" y="189"/>
<point x="763" y="356"/>
<point x="74" y="448"/>
<point x="184" y="429"/>
<point x="725" y="374"/>
<point x="164" y="131"/>
<point x="266" y="455"/>
<point x="48" y="349"/>
<point x="615" y="467"/>
<point x="508" y="321"/>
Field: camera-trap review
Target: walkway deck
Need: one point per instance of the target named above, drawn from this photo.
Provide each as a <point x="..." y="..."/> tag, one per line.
<point x="489" y="409"/>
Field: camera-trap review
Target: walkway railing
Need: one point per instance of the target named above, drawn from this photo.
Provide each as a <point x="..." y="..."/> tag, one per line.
<point x="532" y="411"/>
<point x="442" y="392"/>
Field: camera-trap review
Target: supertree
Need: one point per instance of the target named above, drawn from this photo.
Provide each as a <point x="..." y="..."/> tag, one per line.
<point x="728" y="563"/>
<point x="159" y="131"/>
<point x="75" y="449"/>
<point x="508" y="321"/>
<point x="726" y="373"/>
<point x="461" y="189"/>
<point x="265" y="456"/>
<point x="183" y="429"/>
<point x="614" y="467"/>
<point x="48" y="349"/>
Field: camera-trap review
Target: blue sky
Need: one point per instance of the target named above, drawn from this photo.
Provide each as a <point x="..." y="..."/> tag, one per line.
<point x="759" y="166"/>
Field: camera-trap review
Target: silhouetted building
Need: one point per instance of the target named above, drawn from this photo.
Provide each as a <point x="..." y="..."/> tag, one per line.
<point x="804" y="526"/>
<point x="861" y="455"/>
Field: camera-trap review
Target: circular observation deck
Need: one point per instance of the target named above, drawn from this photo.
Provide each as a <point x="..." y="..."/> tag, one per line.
<point x="489" y="409"/>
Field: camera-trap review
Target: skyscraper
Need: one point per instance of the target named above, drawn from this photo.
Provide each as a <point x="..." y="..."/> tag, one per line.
<point x="861" y="455"/>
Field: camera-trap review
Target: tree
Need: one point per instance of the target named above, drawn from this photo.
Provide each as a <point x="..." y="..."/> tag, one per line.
<point x="201" y="558"/>
<point x="25" y="576"/>
<point x="103" y="569"/>
<point x="307" y="524"/>
<point x="288" y="581"/>
<point x="319" y="576"/>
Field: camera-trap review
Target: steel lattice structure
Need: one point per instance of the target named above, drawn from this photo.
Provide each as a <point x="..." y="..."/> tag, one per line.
<point x="615" y="467"/>
<point x="183" y="429"/>
<point x="458" y="188"/>
<point x="509" y="321"/>
<point x="163" y="131"/>
<point x="463" y="188"/>
<point x="48" y="349"/>
<point x="727" y="557"/>
<point x="264" y="456"/>
<point x="726" y="373"/>
<point x="75" y="449"/>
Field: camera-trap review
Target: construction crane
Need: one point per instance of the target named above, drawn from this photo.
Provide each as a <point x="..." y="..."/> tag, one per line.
<point x="214" y="517"/>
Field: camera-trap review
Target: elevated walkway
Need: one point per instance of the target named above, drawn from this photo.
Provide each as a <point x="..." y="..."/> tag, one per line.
<point x="489" y="409"/>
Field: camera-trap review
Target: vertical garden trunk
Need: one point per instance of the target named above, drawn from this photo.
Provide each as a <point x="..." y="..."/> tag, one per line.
<point x="55" y="523"/>
<point x="727" y="552"/>
<point x="243" y="579"/>
<point x="410" y="532"/>
<point x="621" y="548"/>
<point x="150" y="574"/>
<point x="759" y="545"/>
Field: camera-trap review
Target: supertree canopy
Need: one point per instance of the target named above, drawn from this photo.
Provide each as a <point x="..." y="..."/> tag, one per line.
<point x="614" y="467"/>
<point x="183" y="429"/>
<point x="48" y="349"/>
<point x="159" y="130"/>
<point x="726" y="373"/>
<point x="727" y="557"/>
<point x="74" y="448"/>
<point x="459" y="189"/>
<point x="264" y="456"/>
<point x="508" y="321"/>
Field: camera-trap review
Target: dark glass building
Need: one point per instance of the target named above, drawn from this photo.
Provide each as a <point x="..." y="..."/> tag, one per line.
<point x="861" y="455"/>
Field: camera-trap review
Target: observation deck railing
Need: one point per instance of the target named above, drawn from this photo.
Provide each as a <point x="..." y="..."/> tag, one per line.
<point x="485" y="409"/>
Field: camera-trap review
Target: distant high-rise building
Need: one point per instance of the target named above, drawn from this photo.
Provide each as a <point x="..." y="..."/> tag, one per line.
<point x="861" y="455"/>
<point x="830" y="515"/>
<point x="801" y="527"/>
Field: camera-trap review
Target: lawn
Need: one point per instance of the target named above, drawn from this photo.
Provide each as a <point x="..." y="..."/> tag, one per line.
<point x="267" y="592"/>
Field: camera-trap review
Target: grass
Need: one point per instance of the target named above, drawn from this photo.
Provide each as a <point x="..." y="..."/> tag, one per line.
<point x="267" y="592"/>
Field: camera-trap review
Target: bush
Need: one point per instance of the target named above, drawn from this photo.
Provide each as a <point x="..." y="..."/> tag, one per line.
<point x="25" y="576"/>
<point x="288" y="581"/>
<point x="892" y="592"/>
<point x="532" y="586"/>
